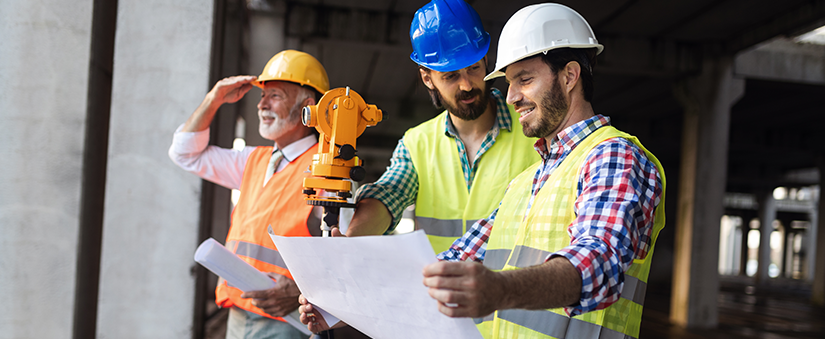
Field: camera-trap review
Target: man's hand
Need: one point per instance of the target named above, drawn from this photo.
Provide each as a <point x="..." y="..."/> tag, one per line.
<point x="371" y="217"/>
<point x="228" y="90"/>
<point x="279" y="300"/>
<point x="315" y="321"/>
<point x="464" y="289"/>
<point x="335" y="232"/>
<point x="231" y="89"/>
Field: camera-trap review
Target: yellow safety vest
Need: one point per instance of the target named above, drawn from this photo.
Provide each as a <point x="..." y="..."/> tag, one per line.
<point x="521" y="239"/>
<point x="444" y="208"/>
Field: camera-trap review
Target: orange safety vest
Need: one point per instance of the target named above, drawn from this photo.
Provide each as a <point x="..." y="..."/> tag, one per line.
<point x="279" y="204"/>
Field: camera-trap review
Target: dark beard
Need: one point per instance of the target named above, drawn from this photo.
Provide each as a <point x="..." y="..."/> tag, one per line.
<point x="467" y="112"/>
<point x="553" y="108"/>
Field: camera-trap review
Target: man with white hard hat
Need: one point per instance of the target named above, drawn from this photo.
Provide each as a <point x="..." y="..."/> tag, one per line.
<point x="574" y="235"/>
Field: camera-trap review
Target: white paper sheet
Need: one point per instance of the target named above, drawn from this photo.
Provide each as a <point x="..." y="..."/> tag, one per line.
<point x="372" y="283"/>
<point x="238" y="273"/>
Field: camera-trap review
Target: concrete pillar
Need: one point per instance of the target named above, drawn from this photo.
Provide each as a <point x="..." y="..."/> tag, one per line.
<point x="818" y="287"/>
<point x="767" y="214"/>
<point x="44" y="68"/>
<point x="267" y="37"/>
<point x="809" y="242"/>
<point x="707" y="99"/>
<point x="743" y="250"/>
<point x="95" y="157"/>
<point x="162" y="63"/>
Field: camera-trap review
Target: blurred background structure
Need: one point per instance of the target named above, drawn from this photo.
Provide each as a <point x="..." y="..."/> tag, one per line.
<point x="99" y="226"/>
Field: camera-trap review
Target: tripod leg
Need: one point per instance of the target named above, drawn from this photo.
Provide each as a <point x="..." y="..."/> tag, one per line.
<point x="330" y="220"/>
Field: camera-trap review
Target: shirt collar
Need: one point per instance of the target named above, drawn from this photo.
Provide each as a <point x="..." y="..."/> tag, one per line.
<point x="571" y="136"/>
<point x="503" y="120"/>
<point x="295" y="149"/>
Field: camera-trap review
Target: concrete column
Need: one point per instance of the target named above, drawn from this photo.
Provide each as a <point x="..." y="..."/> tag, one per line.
<point x="44" y="69"/>
<point x="818" y="287"/>
<point x="162" y="63"/>
<point x="809" y="243"/>
<point x="743" y="249"/>
<point x="707" y="99"/>
<point x="267" y="32"/>
<point x="767" y="214"/>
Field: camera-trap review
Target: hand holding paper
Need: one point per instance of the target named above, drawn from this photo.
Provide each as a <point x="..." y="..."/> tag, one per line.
<point x="216" y="258"/>
<point x="279" y="300"/>
<point x="470" y="288"/>
<point x="315" y="318"/>
<point x="373" y="283"/>
<point x="256" y="284"/>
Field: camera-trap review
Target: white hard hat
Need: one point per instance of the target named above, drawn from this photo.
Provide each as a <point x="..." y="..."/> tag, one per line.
<point x="539" y="28"/>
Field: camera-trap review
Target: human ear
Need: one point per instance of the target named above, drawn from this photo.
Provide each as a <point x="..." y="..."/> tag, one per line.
<point x="425" y="77"/>
<point x="572" y="75"/>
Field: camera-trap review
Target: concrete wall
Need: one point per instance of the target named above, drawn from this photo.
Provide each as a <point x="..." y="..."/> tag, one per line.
<point x="44" y="64"/>
<point x="266" y="38"/>
<point x="161" y="73"/>
<point x="783" y="59"/>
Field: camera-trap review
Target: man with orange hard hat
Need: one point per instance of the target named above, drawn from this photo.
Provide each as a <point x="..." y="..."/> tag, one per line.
<point x="270" y="180"/>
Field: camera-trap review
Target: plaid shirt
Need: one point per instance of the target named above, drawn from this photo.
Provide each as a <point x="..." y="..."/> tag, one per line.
<point x="397" y="188"/>
<point x="618" y="191"/>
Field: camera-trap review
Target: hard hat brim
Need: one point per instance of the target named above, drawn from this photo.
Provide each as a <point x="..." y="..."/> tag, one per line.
<point x="454" y="65"/>
<point x="260" y="83"/>
<point x="497" y="72"/>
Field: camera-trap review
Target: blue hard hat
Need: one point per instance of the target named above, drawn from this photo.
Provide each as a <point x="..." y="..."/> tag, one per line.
<point x="447" y="35"/>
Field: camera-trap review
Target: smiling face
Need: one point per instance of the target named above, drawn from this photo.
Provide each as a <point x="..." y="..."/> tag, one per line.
<point x="279" y="110"/>
<point x="464" y="93"/>
<point x="537" y="95"/>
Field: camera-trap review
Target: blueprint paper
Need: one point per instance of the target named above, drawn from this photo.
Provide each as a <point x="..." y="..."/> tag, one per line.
<point x="374" y="284"/>
<point x="238" y="273"/>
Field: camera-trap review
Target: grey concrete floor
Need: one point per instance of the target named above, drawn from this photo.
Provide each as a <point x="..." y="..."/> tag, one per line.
<point x="779" y="311"/>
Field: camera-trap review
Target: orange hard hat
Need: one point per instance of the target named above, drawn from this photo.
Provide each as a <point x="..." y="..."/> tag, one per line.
<point x="295" y="66"/>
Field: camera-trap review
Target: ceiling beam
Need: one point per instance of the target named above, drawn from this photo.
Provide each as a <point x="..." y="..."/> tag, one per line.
<point x="790" y="23"/>
<point x="649" y="57"/>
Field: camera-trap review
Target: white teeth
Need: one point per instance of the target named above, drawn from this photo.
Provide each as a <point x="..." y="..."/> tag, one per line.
<point x="526" y="111"/>
<point x="267" y="114"/>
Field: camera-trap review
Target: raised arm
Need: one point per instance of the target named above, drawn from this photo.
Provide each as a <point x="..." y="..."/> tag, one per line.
<point x="227" y="90"/>
<point x="190" y="148"/>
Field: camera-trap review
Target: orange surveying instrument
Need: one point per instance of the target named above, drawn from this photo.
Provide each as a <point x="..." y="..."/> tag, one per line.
<point x="340" y="117"/>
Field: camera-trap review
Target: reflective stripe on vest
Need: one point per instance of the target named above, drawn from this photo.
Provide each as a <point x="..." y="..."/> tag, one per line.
<point x="558" y="326"/>
<point x="523" y="257"/>
<point x="444" y="228"/>
<point x="257" y="252"/>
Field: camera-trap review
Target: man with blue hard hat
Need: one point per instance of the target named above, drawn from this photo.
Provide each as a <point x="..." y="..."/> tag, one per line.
<point x="456" y="166"/>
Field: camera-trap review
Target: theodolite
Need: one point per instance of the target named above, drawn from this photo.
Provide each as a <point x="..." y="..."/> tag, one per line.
<point x="340" y="117"/>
